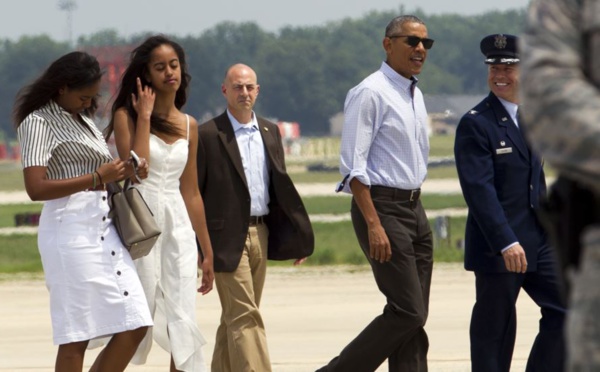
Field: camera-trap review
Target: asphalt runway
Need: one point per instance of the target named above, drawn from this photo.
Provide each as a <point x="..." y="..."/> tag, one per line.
<point x="435" y="186"/>
<point x="310" y="314"/>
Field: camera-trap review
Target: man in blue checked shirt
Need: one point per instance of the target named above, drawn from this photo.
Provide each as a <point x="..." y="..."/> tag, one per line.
<point x="384" y="162"/>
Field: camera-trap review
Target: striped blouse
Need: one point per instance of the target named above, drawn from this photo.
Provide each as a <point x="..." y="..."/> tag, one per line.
<point x="50" y="137"/>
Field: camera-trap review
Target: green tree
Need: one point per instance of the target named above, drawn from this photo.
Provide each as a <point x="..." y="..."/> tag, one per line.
<point x="304" y="72"/>
<point x="456" y="50"/>
<point x="293" y="85"/>
<point x="108" y="37"/>
<point x="211" y="54"/>
<point x="20" y="63"/>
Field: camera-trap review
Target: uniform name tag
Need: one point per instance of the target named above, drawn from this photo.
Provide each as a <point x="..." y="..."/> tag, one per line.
<point x="506" y="150"/>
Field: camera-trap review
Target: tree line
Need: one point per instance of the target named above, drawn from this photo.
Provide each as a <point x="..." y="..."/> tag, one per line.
<point x="304" y="72"/>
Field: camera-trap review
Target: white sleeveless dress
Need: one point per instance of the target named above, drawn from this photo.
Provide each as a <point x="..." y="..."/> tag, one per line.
<point x="169" y="273"/>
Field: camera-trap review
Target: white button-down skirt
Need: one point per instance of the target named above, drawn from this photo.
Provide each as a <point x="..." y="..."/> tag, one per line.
<point x="94" y="287"/>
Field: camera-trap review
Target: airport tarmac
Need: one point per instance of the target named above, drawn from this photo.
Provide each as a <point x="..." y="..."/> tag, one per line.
<point x="310" y="314"/>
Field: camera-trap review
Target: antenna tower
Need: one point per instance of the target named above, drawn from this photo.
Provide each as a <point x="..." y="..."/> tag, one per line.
<point x="68" y="6"/>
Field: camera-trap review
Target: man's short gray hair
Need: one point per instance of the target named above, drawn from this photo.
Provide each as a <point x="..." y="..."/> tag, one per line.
<point x="396" y="24"/>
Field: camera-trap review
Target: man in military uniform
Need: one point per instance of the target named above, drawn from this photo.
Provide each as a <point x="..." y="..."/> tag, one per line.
<point x="502" y="182"/>
<point x="561" y="103"/>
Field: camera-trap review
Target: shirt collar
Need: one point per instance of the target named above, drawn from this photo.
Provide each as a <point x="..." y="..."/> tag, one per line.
<point x="396" y="78"/>
<point x="55" y="108"/>
<point x="510" y="107"/>
<point x="237" y="125"/>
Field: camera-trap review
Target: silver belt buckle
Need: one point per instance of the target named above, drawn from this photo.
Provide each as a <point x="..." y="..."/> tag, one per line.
<point x="412" y="194"/>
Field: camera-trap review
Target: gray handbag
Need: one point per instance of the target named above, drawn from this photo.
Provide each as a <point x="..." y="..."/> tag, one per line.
<point x="133" y="219"/>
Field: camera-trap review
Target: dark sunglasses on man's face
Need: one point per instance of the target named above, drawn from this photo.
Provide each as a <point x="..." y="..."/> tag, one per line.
<point x="413" y="41"/>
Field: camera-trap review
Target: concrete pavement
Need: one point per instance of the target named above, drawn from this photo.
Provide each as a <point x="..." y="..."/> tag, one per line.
<point x="435" y="186"/>
<point x="310" y="313"/>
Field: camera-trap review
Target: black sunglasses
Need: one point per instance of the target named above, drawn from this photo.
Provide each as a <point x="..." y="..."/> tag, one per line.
<point x="413" y="41"/>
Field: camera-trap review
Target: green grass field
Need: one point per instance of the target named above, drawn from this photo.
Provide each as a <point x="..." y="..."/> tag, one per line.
<point x="19" y="253"/>
<point x="11" y="177"/>
<point x="441" y="146"/>
<point x="335" y="242"/>
<point x="8" y="212"/>
<point x="445" y="172"/>
<point x="341" y="204"/>
<point x="314" y="205"/>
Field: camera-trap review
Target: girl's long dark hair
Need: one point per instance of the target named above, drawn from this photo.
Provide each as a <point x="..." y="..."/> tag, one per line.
<point x="75" y="70"/>
<point x="138" y="67"/>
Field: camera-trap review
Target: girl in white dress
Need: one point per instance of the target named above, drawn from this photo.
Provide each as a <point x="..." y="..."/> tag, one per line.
<point x="94" y="288"/>
<point x="147" y="119"/>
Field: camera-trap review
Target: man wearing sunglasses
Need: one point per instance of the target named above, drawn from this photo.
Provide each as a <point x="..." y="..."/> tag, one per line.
<point x="502" y="182"/>
<point x="385" y="148"/>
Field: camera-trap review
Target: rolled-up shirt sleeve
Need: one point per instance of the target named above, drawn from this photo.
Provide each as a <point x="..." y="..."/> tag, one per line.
<point x="360" y="118"/>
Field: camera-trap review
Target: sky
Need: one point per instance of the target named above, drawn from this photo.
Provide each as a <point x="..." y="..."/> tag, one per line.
<point x="192" y="17"/>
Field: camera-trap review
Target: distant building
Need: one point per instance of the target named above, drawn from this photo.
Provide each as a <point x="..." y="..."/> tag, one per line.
<point x="290" y="136"/>
<point x="445" y="110"/>
<point x="113" y="60"/>
<point x="336" y="122"/>
<point x="456" y="104"/>
<point x="444" y="113"/>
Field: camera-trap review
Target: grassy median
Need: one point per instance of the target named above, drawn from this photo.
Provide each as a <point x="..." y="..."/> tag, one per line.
<point x="335" y="242"/>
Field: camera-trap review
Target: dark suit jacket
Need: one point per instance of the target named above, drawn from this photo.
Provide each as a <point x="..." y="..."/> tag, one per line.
<point x="502" y="184"/>
<point x="227" y="200"/>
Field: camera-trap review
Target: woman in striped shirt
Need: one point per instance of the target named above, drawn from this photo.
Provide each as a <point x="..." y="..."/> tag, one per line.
<point x="94" y="288"/>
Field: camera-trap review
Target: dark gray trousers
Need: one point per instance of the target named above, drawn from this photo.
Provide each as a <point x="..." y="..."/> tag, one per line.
<point x="397" y="334"/>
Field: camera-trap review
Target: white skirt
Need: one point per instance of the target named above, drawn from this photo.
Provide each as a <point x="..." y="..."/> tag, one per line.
<point x="94" y="287"/>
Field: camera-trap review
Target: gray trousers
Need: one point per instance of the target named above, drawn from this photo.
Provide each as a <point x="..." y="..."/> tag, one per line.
<point x="397" y="334"/>
<point x="583" y="317"/>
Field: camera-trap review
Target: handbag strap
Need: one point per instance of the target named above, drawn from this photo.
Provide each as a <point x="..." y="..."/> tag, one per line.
<point x="127" y="184"/>
<point x="113" y="187"/>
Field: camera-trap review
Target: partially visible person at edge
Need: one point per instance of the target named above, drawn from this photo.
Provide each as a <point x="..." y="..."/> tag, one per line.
<point x="254" y="213"/>
<point x="147" y="118"/>
<point x="94" y="288"/>
<point x="505" y="244"/>
<point x="384" y="155"/>
<point x="561" y="103"/>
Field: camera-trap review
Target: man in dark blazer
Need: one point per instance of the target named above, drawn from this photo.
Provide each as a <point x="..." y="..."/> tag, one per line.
<point x="502" y="182"/>
<point x="253" y="212"/>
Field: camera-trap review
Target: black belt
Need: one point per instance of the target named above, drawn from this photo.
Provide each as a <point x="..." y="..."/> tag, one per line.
<point x="396" y="194"/>
<point x="257" y="220"/>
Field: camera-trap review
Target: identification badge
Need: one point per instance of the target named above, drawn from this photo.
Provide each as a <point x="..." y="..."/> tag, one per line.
<point x="506" y="150"/>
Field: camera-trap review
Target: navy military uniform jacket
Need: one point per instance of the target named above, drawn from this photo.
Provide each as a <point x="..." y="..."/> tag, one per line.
<point x="502" y="183"/>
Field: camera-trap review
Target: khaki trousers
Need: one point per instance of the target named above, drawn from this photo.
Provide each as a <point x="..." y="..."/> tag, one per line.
<point x="241" y="343"/>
